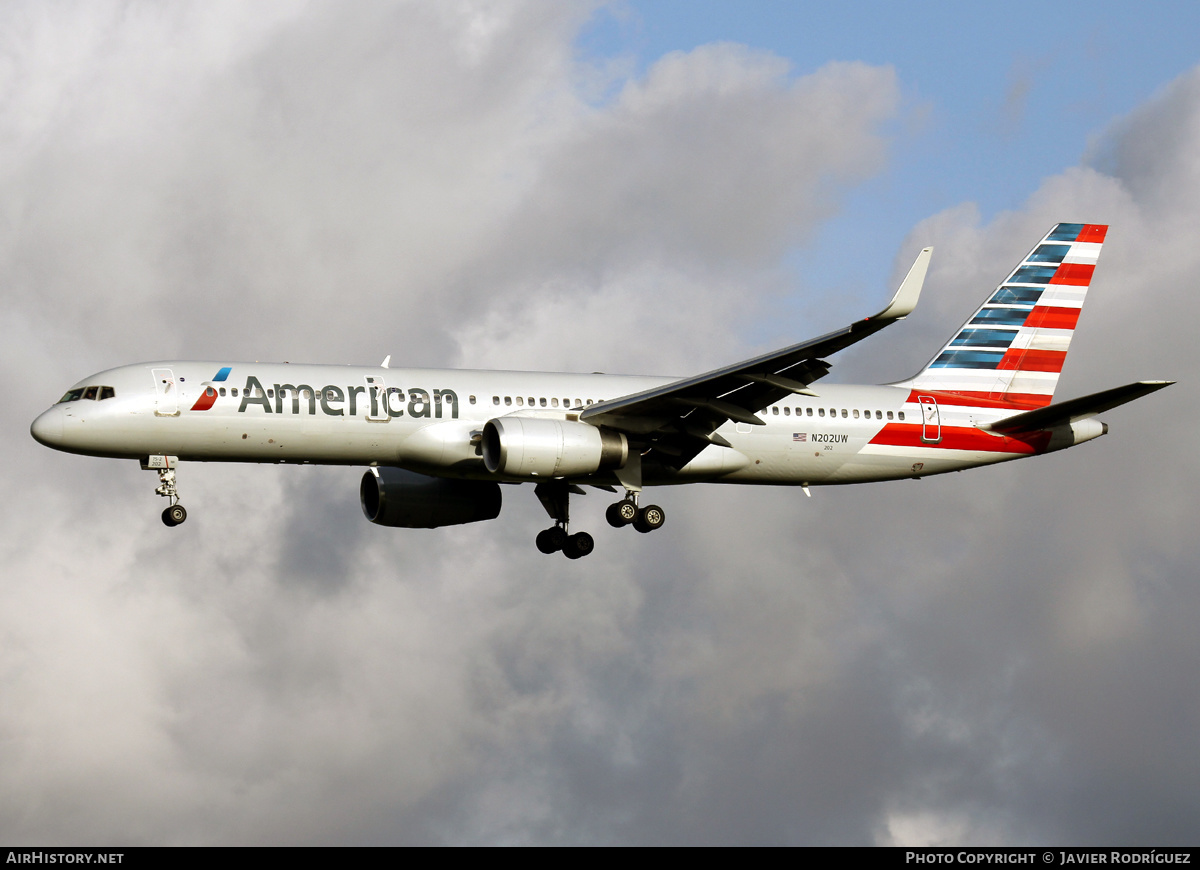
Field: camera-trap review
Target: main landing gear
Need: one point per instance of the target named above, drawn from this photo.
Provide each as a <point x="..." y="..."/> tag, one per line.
<point x="626" y="512"/>
<point x="555" y="498"/>
<point x="173" y="514"/>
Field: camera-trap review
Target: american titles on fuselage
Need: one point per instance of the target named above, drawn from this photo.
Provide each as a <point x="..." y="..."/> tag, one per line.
<point x="373" y="400"/>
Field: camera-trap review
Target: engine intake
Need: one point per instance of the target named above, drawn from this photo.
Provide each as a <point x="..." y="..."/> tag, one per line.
<point x="405" y="499"/>
<point x="543" y="447"/>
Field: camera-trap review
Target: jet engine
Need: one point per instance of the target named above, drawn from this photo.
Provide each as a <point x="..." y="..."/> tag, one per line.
<point x="397" y="497"/>
<point x="544" y="447"/>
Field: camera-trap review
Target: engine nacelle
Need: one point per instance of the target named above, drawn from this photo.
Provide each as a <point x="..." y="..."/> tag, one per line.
<point x="545" y="447"/>
<point x="397" y="497"/>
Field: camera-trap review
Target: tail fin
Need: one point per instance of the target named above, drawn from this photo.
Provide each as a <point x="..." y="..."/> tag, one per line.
<point x="1011" y="351"/>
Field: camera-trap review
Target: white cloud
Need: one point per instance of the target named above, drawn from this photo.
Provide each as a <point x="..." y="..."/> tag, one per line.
<point x="998" y="655"/>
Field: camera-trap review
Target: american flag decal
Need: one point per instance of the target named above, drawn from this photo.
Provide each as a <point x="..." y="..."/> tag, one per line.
<point x="799" y="436"/>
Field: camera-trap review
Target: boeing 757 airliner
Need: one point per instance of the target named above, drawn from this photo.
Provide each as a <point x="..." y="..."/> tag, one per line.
<point x="439" y="442"/>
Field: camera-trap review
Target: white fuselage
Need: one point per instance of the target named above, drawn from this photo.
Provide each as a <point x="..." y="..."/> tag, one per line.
<point x="429" y="420"/>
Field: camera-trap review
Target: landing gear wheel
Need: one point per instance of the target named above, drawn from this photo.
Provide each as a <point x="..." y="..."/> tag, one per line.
<point x="551" y="540"/>
<point x="649" y="518"/>
<point x="621" y="513"/>
<point x="174" y="515"/>
<point x="579" y="545"/>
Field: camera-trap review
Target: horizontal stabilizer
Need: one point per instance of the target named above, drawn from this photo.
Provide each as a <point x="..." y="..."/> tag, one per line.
<point x="1075" y="409"/>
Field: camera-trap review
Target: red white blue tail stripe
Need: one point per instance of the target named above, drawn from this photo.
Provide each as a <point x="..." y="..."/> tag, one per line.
<point x="1011" y="352"/>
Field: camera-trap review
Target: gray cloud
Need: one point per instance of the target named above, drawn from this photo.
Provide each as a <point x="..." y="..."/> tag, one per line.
<point x="997" y="656"/>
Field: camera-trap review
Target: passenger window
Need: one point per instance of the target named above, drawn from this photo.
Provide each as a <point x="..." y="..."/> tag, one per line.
<point x="856" y="413"/>
<point x="820" y="412"/>
<point x="271" y="393"/>
<point x="901" y="413"/>
<point x="808" y="411"/>
<point x="472" y="399"/>
<point x="889" y="415"/>
<point x="233" y="392"/>
<point x="589" y="401"/>
<point x="531" y="401"/>
<point x="495" y="400"/>
<point x="844" y="414"/>
<point x="542" y="401"/>
<point x="520" y="401"/>
<point x="554" y="403"/>
<point x="775" y="410"/>
<point x="879" y="415"/>
<point x="787" y="412"/>
<point x="508" y="400"/>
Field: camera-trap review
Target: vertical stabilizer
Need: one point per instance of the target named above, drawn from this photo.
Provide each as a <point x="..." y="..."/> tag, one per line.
<point x="1012" y="350"/>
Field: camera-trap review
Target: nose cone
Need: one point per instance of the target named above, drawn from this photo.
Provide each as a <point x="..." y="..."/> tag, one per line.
<point x="48" y="428"/>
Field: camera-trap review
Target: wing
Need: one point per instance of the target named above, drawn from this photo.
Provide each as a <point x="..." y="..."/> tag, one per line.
<point x="680" y="419"/>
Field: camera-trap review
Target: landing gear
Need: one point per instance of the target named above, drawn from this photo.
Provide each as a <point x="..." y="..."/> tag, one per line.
<point x="649" y="518"/>
<point x="621" y="513"/>
<point x="626" y="512"/>
<point x="552" y="540"/>
<point x="555" y="498"/>
<point x="174" y="514"/>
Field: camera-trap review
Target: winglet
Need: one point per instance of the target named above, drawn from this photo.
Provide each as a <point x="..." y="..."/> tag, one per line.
<point x="906" y="297"/>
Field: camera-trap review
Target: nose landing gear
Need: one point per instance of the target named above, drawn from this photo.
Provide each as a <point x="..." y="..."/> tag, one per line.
<point x="175" y="513"/>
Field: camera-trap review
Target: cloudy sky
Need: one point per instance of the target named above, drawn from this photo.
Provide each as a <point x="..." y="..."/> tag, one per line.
<point x="1002" y="656"/>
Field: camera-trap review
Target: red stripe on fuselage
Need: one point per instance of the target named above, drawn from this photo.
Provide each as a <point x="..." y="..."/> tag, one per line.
<point x="979" y="399"/>
<point x="961" y="438"/>
<point x="1052" y="318"/>
<point x="1023" y="359"/>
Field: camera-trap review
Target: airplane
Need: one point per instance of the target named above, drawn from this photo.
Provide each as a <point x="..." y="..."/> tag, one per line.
<point x="438" y="443"/>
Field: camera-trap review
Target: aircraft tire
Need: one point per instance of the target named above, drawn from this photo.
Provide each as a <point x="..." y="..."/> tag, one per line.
<point x="649" y="518"/>
<point x="548" y="541"/>
<point x="621" y="513"/>
<point x="579" y="545"/>
<point x="174" y="515"/>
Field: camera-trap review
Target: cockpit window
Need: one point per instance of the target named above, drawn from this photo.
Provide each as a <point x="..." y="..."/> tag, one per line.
<point x="93" y="392"/>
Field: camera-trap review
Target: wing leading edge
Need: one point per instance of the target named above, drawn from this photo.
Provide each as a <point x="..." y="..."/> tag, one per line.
<point x="680" y="419"/>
